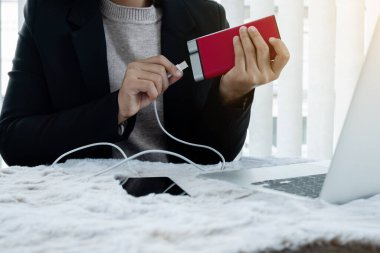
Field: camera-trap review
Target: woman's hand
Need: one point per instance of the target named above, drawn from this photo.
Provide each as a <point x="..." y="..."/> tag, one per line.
<point x="253" y="66"/>
<point x="144" y="81"/>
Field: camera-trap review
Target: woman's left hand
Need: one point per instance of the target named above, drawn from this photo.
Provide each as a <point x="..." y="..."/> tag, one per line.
<point x="253" y="66"/>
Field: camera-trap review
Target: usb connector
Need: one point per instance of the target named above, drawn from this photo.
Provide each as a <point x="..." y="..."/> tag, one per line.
<point x="181" y="66"/>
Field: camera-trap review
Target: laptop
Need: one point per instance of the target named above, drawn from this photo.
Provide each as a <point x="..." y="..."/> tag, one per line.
<point x="354" y="171"/>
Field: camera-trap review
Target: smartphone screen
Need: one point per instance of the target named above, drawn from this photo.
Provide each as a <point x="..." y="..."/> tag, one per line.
<point x="141" y="186"/>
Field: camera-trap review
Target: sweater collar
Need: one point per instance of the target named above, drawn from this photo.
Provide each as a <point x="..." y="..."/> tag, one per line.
<point x="82" y="11"/>
<point x="123" y="14"/>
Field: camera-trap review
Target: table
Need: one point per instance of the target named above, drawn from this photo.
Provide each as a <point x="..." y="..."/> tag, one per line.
<point x="64" y="209"/>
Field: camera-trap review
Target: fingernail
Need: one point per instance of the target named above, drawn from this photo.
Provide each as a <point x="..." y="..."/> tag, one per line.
<point x="252" y="29"/>
<point x="178" y="73"/>
<point x="236" y="39"/>
<point x="272" y="39"/>
<point x="243" y="29"/>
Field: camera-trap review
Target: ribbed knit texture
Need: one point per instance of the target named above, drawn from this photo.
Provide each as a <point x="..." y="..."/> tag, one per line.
<point x="125" y="14"/>
<point x="134" y="34"/>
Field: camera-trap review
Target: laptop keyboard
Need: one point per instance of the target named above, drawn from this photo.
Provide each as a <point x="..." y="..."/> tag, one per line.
<point x="308" y="186"/>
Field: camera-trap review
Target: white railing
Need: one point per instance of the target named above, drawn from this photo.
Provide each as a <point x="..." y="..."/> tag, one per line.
<point x="289" y="126"/>
<point x="21" y="4"/>
<point x="327" y="40"/>
<point x="321" y="74"/>
<point x="261" y="131"/>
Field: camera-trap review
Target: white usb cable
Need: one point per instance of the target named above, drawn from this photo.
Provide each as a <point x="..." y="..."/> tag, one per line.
<point x="182" y="66"/>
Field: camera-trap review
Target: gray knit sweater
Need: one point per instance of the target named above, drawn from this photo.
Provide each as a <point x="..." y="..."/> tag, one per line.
<point x="134" y="34"/>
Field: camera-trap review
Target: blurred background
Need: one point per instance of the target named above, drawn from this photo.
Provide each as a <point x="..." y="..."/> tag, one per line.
<point x="302" y="113"/>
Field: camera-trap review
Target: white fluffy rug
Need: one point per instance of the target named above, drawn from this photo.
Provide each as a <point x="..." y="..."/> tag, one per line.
<point x="45" y="209"/>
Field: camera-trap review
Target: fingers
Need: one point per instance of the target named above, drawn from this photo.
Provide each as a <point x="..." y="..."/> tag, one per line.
<point x="149" y="88"/>
<point x="161" y="66"/>
<point x="169" y="67"/>
<point x="155" y="73"/>
<point x="262" y="49"/>
<point x="156" y="79"/>
<point x="253" y="66"/>
<point x="239" y="54"/>
<point x="282" y="56"/>
<point x="143" y="82"/>
<point x="249" y="50"/>
<point x="256" y="54"/>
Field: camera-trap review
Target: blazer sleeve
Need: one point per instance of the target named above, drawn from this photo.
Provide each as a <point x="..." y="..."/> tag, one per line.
<point x="31" y="133"/>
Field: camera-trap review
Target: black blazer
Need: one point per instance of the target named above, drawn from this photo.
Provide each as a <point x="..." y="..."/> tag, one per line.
<point x="58" y="96"/>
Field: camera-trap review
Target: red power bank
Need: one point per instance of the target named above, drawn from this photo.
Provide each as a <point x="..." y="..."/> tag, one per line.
<point x="213" y="55"/>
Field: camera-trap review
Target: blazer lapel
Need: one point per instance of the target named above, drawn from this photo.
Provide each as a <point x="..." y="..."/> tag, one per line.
<point x="90" y="46"/>
<point x="178" y="27"/>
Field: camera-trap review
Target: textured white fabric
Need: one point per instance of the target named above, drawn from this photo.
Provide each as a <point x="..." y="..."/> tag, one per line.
<point x="47" y="209"/>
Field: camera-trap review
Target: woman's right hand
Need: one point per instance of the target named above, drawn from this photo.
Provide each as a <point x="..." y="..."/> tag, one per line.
<point x="143" y="82"/>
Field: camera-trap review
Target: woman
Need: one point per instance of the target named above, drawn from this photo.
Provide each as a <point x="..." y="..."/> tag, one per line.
<point x="88" y="71"/>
